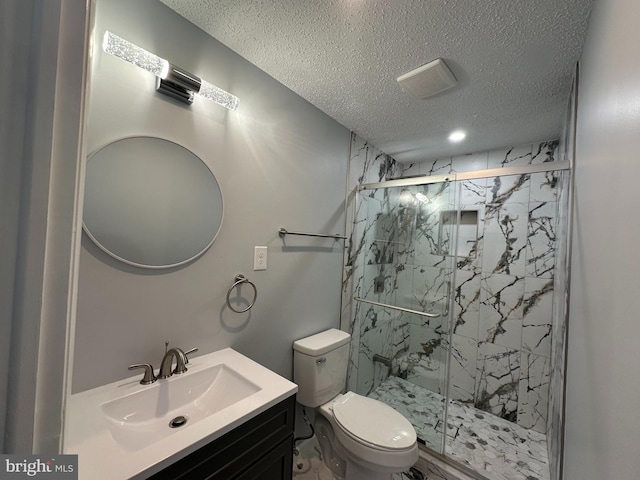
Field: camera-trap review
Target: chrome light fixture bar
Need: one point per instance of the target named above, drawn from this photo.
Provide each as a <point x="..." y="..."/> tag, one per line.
<point x="172" y="80"/>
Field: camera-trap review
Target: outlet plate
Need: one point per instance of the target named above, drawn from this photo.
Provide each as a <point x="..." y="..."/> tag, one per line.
<point x="259" y="258"/>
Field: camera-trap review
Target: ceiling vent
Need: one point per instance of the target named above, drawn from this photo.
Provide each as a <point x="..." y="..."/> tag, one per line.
<point x="427" y="80"/>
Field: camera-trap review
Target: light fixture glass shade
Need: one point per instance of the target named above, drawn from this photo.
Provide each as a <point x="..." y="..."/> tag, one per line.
<point x="218" y="95"/>
<point x="127" y="51"/>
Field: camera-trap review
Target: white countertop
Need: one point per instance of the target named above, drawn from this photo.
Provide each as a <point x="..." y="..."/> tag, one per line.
<point x="101" y="456"/>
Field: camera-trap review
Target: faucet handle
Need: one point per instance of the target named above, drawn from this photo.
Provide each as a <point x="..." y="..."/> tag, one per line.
<point x="182" y="360"/>
<point x="189" y="352"/>
<point x="149" y="376"/>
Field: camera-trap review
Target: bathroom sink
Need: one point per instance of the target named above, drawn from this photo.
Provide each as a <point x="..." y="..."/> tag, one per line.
<point x="127" y="430"/>
<point x="142" y="417"/>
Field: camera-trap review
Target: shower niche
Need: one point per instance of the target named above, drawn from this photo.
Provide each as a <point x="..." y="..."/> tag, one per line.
<point x="467" y="231"/>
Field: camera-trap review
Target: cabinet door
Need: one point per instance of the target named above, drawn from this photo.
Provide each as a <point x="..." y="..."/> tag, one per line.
<point x="276" y="465"/>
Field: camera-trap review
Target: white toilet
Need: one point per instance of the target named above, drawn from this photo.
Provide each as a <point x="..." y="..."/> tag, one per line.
<point x="360" y="438"/>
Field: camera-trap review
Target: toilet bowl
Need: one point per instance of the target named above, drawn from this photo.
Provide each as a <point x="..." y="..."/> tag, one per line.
<point x="372" y="434"/>
<point x="360" y="438"/>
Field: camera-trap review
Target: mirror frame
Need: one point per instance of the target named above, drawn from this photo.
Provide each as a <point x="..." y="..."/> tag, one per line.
<point x="103" y="248"/>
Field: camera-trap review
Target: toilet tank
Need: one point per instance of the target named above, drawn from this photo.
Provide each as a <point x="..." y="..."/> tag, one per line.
<point x="320" y="366"/>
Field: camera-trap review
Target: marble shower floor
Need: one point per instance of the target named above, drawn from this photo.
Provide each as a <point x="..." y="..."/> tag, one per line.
<point x="489" y="445"/>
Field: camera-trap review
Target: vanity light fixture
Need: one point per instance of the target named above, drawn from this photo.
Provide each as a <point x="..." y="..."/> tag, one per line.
<point x="172" y="80"/>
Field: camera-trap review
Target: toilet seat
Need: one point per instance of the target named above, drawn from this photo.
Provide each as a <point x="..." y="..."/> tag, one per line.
<point x="373" y="423"/>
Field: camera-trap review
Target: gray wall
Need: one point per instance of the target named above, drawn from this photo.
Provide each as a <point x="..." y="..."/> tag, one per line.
<point x="15" y="17"/>
<point x="279" y="162"/>
<point x="603" y="384"/>
<point x="42" y="55"/>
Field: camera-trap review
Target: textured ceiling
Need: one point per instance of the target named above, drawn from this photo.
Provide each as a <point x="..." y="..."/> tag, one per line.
<point x="514" y="60"/>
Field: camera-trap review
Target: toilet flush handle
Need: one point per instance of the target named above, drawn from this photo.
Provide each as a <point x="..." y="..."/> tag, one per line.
<point x="321" y="361"/>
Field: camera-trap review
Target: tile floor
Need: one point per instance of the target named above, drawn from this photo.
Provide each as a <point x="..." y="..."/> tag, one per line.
<point x="307" y="465"/>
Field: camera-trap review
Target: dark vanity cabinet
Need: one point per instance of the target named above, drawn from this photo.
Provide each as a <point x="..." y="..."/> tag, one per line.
<point x="259" y="449"/>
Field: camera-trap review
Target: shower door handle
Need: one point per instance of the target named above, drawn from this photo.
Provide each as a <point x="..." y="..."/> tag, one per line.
<point x="402" y="309"/>
<point x="447" y="299"/>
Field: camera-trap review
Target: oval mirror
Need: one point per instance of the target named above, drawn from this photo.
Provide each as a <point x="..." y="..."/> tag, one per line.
<point x="150" y="203"/>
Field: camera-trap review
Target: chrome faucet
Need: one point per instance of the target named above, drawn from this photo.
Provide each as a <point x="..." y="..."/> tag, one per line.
<point x="167" y="363"/>
<point x="181" y="362"/>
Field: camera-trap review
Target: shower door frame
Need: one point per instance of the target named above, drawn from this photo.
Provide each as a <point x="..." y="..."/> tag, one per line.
<point x="563" y="165"/>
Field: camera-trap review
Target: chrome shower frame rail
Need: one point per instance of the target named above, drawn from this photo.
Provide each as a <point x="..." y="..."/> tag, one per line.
<point x="491" y="172"/>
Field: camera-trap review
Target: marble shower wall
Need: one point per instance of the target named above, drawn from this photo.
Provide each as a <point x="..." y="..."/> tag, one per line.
<point x="367" y="164"/>
<point x="503" y="290"/>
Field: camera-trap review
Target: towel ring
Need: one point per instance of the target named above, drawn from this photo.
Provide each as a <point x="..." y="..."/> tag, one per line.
<point x="240" y="279"/>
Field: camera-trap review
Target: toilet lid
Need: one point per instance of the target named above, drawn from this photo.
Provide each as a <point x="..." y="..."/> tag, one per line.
<point x="373" y="422"/>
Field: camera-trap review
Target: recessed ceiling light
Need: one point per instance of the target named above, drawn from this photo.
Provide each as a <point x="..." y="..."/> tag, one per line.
<point x="457" y="136"/>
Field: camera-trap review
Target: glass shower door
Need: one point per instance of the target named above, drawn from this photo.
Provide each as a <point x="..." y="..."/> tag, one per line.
<point x="405" y="238"/>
